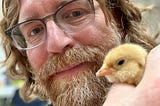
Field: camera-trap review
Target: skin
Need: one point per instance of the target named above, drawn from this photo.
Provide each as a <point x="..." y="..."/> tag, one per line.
<point x="59" y="42"/>
<point x="97" y="33"/>
<point x="54" y="44"/>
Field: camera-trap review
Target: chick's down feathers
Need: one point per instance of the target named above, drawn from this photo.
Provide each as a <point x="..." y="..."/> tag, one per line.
<point x="124" y="64"/>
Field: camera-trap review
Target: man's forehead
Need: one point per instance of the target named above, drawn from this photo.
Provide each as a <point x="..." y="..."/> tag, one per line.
<point x="30" y="9"/>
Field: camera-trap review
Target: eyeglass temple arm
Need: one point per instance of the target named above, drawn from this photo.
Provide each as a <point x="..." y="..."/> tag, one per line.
<point x="8" y="33"/>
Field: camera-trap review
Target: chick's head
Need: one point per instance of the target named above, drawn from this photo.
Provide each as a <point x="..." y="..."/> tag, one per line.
<point x="125" y="57"/>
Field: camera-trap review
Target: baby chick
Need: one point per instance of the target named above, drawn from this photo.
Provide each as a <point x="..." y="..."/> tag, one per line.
<point x="124" y="64"/>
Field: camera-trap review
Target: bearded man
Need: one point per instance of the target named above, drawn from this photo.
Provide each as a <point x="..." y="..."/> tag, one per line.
<point x="57" y="46"/>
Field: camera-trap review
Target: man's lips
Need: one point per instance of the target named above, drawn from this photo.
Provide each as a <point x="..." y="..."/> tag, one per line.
<point x="71" y="69"/>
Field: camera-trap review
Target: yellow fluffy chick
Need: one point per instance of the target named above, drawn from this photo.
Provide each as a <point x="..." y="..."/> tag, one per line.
<point x="124" y="64"/>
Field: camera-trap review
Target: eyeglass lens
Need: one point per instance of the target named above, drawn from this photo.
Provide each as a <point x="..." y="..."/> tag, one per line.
<point x="71" y="17"/>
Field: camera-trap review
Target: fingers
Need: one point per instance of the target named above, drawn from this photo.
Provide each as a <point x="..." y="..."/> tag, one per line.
<point x="152" y="70"/>
<point x="149" y="87"/>
<point x="118" y="92"/>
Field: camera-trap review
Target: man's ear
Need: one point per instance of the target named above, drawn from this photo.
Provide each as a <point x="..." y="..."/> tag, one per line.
<point x="112" y="12"/>
<point x="113" y="3"/>
<point x="118" y="16"/>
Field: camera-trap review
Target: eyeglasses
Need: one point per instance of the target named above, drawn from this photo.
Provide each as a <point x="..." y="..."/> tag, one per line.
<point x="70" y="17"/>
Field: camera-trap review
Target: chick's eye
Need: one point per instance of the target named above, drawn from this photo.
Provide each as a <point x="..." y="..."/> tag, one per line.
<point x="121" y="62"/>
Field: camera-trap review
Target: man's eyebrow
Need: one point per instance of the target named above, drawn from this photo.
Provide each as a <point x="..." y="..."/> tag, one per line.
<point x="61" y="3"/>
<point x="27" y="19"/>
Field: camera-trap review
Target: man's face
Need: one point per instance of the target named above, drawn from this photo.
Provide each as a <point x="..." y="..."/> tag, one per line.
<point x="65" y="65"/>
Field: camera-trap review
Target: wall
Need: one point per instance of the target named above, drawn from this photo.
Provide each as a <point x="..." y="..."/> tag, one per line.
<point x="152" y="16"/>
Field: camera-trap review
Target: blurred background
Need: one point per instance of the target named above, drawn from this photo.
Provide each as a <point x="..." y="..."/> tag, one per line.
<point x="151" y="15"/>
<point x="9" y="88"/>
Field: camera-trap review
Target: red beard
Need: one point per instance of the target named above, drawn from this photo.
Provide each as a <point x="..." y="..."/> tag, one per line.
<point x="82" y="89"/>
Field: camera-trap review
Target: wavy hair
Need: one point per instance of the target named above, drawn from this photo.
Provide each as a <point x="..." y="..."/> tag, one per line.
<point x="17" y="64"/>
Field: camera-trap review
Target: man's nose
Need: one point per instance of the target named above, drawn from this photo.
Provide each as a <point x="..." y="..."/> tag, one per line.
<point x="57" y="40"/>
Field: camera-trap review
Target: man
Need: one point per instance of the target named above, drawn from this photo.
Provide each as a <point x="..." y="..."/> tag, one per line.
<point x="58" y="45"/>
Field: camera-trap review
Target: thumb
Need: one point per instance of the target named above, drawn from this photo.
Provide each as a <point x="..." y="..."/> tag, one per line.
<point x="152" y="69"/>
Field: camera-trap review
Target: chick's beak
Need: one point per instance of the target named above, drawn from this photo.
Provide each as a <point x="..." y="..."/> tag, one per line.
<point x="104" y="70"/>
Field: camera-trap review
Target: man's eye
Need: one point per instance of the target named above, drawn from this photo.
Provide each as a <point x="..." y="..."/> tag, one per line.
<point x="36" y="31"/>
<point x="74" y="14"/>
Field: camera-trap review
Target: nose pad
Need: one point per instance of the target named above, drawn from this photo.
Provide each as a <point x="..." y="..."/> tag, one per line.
<point x="57" y="40"/>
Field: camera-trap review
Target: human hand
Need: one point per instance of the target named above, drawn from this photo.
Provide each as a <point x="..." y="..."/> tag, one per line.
<point x="146" y="93"/>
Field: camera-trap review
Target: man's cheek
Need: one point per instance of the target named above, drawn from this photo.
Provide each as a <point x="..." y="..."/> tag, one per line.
<point x="36" y="58"/>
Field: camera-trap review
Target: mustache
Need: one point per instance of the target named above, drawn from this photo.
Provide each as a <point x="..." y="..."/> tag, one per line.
<point x="72" y="56"/>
